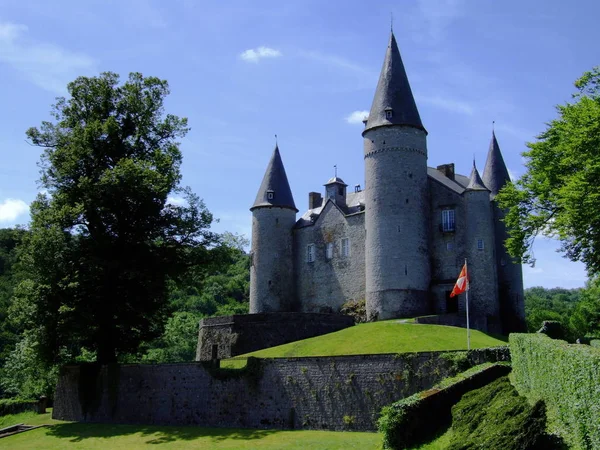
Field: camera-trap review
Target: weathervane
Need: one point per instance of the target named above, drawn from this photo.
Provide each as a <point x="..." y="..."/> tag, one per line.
<point x="335" y="169"/>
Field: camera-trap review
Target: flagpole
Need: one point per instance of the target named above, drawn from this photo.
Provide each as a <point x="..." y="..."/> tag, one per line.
<point x="467" y="303"/>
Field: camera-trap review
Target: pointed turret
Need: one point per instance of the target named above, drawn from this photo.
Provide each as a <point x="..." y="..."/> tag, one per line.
<point x="393" y="103"/>
<point x="273" y="217"/>
<point x="275" y="188"/>
<point x="397" y="269"/>
<point x="495" y="174"/>
<point x="475" y="182"/>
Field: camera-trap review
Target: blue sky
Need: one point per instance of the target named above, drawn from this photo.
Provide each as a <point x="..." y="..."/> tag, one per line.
<point x="243" y="71"/>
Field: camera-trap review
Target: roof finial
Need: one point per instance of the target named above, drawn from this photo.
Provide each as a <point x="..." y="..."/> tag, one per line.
<point x="276" y="144"/>
<point x="473" y="159"/>
<point x="493" y="126"/>
<point x="335" y="169"/>
<point x="391" y="22"/>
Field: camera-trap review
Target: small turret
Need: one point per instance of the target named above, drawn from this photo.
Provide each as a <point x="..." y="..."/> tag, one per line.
<point x="273" y="217"/>
<point x="335" y="189"/>
<point x="510" y="272"/>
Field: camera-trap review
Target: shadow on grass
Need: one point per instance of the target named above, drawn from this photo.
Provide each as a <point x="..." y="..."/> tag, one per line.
<point x="76" y="432"/>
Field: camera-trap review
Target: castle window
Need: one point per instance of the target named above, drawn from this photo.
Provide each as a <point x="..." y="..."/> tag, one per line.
<point x="388" y="113"/>
<point x="329" y="250"/>
<point x="345" y="247"/>
<point x="450" y="246"/>
<point x="479" y="244"/>
<point x="448" y="223"/>
<point x="270" y="195"/>
<point x="310" y="253"/>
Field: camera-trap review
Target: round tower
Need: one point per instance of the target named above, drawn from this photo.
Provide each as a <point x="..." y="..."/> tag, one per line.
<point x="396" y="198"/>
<point x="273" y="217"/>
<point x="510" y="271"/>
<point x="480" y="252"/>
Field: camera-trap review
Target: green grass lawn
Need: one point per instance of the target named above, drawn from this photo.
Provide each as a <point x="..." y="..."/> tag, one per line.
<point x="391" y="336"/>
<point x="61" y="435"/>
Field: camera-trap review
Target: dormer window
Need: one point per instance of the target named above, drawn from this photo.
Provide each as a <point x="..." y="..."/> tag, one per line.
<point x="270" y="195"/>
<point x="388" y="113"/>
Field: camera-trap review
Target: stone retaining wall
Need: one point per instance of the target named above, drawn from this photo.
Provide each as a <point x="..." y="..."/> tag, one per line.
<point x="334" y="393"/>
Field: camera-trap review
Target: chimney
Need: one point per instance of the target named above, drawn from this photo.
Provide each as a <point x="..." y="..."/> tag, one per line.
<point x="314" y="200"/>
<point x="447" y="170"/>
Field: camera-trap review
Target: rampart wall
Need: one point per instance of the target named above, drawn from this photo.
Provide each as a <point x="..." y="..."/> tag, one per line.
<point x="244" y="333"/>
<point x="334" y="393"/>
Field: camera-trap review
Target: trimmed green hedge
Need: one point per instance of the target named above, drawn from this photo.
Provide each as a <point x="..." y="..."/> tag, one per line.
<point x="420" y="417"/>
<point x="17" y="405"/>
<point x="567" y="378"/>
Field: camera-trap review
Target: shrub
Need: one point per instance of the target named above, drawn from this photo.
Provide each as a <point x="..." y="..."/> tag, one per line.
<point x="418" y="418"/>
<point x="17" y="405"/>
<point x="356" y="309"/>
<point x="567" y="378"/>
<point x="496" y="417"/>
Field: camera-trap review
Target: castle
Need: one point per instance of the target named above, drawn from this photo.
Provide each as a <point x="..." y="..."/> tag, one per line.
<point x="399" y="243"/>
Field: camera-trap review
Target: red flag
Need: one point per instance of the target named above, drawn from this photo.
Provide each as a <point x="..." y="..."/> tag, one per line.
<point x="462" y="283"/>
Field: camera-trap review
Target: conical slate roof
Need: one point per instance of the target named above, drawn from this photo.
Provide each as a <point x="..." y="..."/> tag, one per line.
<point x="275" y="189"/>
<point x="495" y="174"/>
<point x="475" y="183"/>
<point x="393" y="93"/>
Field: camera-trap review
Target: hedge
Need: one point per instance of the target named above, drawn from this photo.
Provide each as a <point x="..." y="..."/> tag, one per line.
<point x="16" y="406"/>
<point x="567" y="377"/>
<point x="420" y="417"/>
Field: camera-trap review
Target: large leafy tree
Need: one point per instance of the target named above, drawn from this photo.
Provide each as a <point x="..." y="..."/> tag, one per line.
<point x="559" y="195"/>
<point x="105" y="240"/>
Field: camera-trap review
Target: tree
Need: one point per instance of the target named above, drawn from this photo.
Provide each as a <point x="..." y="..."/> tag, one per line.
<point x="105" y="240"/>
<point x="559" y="195"/>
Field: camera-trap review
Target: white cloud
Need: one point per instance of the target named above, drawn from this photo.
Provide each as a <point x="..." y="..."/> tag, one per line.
<point x="357" y="117"/>
<point x="12" y="208"/>
<point x="256" y="54"/>
<point x="448" y="104"/>
<point x="47" y="65"/>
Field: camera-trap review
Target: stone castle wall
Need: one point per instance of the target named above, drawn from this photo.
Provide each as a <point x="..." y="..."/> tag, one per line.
<point x="334" y="393"/>
<point x="324" y="285"/>
<point x="244" y="333"/>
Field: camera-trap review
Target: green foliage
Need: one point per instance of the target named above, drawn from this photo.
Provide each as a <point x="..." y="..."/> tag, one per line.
<point x="420" y="417"/>
<point x="555" y="304"/>
<point x="356" y="309"/>
<point x="567" y="378"/>
<point x="559" y="195"/>
<point x="105" y="240"/>
<point x="10" y="238"/>
<point x="24" y="375"/>
<point x="585" y="320"/>
<point x="16" y="406"/>
<point x="495" y="416"/>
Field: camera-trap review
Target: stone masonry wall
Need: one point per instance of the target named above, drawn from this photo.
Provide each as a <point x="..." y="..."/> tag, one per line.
<point x="335" y="393"/>
<point x="244" y="333"/>
<point x="397" y="265"/>
<point x="324" y="285"/>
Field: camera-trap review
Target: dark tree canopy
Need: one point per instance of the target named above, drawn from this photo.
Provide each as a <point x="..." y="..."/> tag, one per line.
<point x="105" y="241"/>
<point x="559" y="195"/>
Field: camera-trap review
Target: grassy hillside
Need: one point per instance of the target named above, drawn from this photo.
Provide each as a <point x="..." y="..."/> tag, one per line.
<point x="62" y="435"/>
<point x="390" y="336"/>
